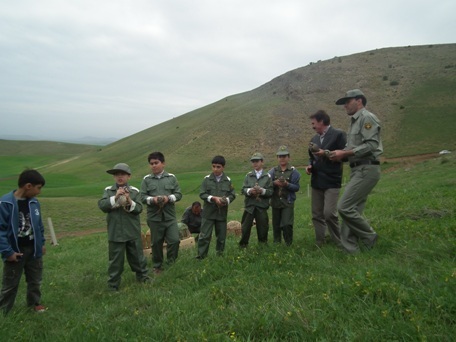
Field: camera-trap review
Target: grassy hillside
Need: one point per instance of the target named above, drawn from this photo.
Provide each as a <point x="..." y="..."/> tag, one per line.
<point x="16" y="156"/>
<point x="402" y="290"/>
<point x="411" y="89"/>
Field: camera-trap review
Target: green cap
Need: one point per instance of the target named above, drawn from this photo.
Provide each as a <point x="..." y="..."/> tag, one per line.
<point x="121" y="167"/>
<point x="257" y="156"/>
<point x="349" y="95"/>
<point x="283" y="151"/>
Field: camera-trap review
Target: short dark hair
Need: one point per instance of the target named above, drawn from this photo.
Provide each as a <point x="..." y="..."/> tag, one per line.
<point x="156" y="155"/>
<point x="218" y="160"/>
<point x="196" y="204"/>
<point x="30" y="176"/>
<point x="363" y="99"/>
<point x="320" y="116"/>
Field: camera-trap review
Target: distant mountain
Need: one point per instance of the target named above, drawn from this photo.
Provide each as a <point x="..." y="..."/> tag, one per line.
<point x="83" y="140"/>
<point x="411" y="89"/>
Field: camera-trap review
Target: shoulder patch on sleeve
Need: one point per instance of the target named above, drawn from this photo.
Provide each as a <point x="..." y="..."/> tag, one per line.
<point x="367" y="125"/>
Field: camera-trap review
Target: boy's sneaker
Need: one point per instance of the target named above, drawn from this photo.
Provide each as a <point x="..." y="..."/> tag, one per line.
<point x="39" y="308"/>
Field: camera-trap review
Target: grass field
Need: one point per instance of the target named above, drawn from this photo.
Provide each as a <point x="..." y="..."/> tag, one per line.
<point x="403" y="290"/>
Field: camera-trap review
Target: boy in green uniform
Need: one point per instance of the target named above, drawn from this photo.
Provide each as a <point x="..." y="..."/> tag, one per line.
<point x="286" y="183"/>
<point x="257" y="189"/>
<point x="217" y="192"/>
<point x="159" y="191"/>
<point x="121" y="203"/>
<point x="22" y="241"/>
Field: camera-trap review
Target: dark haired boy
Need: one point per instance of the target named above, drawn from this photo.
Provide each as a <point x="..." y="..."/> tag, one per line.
<point x="22" y="241"/>
<point x="121" y="202"/>
<point x="160" y="191"/>
<point x="217" y="192"/>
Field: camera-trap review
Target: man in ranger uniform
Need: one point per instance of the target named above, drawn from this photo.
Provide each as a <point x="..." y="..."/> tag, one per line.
<point x="363" y="149"/>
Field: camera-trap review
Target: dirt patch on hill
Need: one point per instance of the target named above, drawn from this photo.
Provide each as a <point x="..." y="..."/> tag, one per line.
<point x="408" y="161"/>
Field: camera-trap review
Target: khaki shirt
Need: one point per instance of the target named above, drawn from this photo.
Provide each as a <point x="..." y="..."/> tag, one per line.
<point x="363" y="136"/>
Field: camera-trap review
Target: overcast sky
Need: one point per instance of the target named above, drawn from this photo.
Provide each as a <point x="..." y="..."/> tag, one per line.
<point x="111" y="68"/>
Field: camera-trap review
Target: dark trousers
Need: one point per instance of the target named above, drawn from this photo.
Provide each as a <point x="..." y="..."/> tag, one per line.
<point x="282" y="223"/>
<point x="205" y="236"/>
<point x="12" y="273"/>
<point x="260" y="215"/>
<point x="160" y="232"/>
<point x="135" y="257"/>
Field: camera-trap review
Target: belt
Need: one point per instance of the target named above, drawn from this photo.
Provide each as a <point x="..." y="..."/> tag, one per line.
<point x="364" y="162"/>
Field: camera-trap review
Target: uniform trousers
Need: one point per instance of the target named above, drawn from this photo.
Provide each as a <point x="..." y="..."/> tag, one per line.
<point x="260" y="215"/>
<point x="205" y="236"/>
<point x="135" y="257"/>
<point x="161" y="231"/>
<point x="351" y="205"/>
<point x="282" y="223"/>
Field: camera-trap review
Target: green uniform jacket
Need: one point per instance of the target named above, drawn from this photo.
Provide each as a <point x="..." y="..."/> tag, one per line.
<point x="210" y="187"/>
<point x="363" y="136"/>
<point x="265" y="181"/>
<point x="287" y="196"/>
<point x="123" y="225"/>
<point x="166" y="185"/>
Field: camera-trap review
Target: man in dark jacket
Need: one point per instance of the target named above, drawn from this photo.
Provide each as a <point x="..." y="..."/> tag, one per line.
<point x="326" y="177"/>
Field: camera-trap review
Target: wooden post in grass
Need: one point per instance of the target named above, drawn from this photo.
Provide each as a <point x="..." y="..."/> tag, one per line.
<point x="51" y="230"/>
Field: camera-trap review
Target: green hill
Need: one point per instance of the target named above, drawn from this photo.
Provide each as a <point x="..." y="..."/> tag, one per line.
<point x="411" y="89"/>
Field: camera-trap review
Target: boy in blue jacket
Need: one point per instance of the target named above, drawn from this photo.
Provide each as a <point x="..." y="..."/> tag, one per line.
<point x="22" y="241"/>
